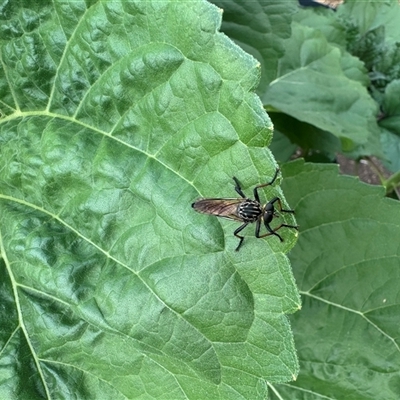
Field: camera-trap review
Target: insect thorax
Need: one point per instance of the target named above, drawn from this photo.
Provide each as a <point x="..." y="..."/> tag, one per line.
<point x="249" y="210"/>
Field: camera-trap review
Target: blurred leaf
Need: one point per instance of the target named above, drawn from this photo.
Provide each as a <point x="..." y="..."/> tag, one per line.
<point x="372" y="35"/>
<point x="115" y="117"/>
<point x="391" y="108"/>
<point x="259" y="27"/>
<point x="304" y="76"/>
<point x="390" y="124"/>
<point x="371" y="14"/>
<point x="307" y="136"/>
<point x="324" y="21"/>
<point x="391" y="147"/>
<point x="328" y="23"/>
<point x="346" y="264"/>
<point x="312" y="87"/>
<point x="282" y="148"/>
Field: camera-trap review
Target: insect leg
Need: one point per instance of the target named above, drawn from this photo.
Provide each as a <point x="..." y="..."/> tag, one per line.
<point x="270" y="231"/>
<point x="255" y="190"/>
<point x="277" y="199"/>
<point x="258" y="226"/>
<point x="273" y="231"/>
<point x="238" y="188"/>
<point x="241" y="227"/>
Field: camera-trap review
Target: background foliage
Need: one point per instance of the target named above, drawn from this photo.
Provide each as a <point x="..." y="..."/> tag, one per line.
<point x="115" y="116"/>
<point x="330" y="84"/>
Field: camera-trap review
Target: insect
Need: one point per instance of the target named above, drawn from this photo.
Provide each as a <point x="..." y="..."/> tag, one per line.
<point x="246" y="210"/>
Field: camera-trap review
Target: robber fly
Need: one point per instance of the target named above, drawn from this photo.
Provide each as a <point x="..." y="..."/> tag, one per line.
<point x="246" y="210"/>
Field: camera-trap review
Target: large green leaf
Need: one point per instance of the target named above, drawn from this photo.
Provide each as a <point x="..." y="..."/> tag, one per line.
<point x="346" y="264"/>
<point x="115" y="117"/>
<point x="312" y="87"/>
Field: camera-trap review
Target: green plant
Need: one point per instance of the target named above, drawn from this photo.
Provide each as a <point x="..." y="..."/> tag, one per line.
<point x="325" y="76"/>
<point x="330" y="80"/>
<point x="115" y="117"/>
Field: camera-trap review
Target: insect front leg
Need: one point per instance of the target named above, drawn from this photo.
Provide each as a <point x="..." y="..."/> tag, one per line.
<point x="255" y="190"/>
<point x="258" y="226"/>
<point x="270" y="213"/>
<point x="241" y="227"/>
<point x="273" y="231"/>
<point x="238" y="188"/>
<point x="269" y="229"/>
<point x="277" y="199"/>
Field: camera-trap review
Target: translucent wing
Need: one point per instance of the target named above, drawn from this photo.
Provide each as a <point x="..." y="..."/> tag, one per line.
<point x="225" y="208"/>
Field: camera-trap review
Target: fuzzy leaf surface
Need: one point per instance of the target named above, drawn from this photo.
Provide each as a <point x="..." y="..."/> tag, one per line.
<point x="115" y="117"/>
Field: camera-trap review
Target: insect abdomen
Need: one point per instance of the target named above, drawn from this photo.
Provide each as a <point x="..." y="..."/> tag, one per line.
<point x="249" y="210"/>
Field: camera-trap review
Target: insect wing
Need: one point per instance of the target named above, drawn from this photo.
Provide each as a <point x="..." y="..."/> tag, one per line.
<point x="226" y="208"/>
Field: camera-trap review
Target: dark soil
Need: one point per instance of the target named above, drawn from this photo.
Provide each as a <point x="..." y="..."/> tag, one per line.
<point x="363" y="169"/>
